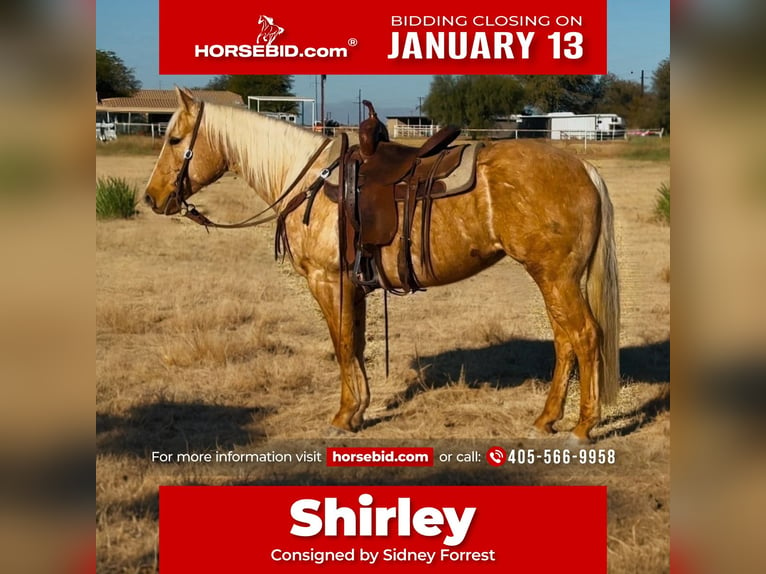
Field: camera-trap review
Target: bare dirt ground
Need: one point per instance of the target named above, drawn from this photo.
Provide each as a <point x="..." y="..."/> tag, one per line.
<point x="204" y="343"/>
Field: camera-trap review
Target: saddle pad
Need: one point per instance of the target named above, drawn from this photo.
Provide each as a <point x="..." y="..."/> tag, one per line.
<point x="464" y="175"/>
<point x="457" y="182"/>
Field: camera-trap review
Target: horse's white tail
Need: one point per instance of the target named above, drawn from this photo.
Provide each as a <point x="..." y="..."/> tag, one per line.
<point x="603" y="293"/>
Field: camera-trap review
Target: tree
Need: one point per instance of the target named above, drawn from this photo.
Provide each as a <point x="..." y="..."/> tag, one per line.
<point x="624" y="98"/>
<point x="490" y="97"/>
<point x="445" y="102"/>
<point x="267" y="85"/>
<point x="113" y="78"/>
<point x="617" y="96"/>
<point x="577" y="94"/>
<point x="472" y="101"/>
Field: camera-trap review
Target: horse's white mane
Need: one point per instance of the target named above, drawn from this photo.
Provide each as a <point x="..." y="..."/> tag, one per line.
<point x="270" y="153"/>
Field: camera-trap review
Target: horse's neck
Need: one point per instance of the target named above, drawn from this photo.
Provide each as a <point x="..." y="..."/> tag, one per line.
<point x="269" y="155"/>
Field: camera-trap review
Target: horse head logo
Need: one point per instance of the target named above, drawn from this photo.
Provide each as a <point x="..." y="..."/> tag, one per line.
<point x="269" y="30"/>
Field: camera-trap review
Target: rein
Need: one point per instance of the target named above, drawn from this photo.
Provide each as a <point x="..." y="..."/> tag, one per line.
<point x="189" y="210"/>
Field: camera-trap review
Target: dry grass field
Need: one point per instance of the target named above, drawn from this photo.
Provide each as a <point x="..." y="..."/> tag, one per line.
<point x="204" y="343"/>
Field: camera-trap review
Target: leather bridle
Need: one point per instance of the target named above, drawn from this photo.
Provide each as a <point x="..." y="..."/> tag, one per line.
<point x="183" y="181"/>
<point x="189" y="210"/>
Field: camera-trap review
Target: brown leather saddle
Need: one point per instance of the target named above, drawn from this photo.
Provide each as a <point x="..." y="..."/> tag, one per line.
<point x="380" y="182"/>
<point x="385" y="181"/>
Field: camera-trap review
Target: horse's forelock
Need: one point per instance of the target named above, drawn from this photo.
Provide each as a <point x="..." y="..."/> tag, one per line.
<point x="172" y="121"/>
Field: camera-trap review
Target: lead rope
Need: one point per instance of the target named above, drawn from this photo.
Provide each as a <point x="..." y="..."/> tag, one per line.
<point x="342" y="267"/>
<point x="191" y="212"/>
<point x="385" y="325"/>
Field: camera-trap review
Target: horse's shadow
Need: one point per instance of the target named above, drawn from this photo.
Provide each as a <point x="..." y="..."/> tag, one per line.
<point x="626" y="423"/>
<point x="510" y="363"/>
<point x="178" y="427"/>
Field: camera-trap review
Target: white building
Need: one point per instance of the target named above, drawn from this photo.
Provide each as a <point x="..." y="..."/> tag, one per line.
<point x="567" y="125"/>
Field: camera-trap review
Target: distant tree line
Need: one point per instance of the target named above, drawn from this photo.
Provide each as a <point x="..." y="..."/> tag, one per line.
<point x="266" y="85"/>
<point x="475" y="101"/>
<point x="467" y="101"/>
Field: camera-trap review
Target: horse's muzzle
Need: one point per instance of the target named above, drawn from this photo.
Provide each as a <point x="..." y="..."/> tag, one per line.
<point x="170" y="206"/>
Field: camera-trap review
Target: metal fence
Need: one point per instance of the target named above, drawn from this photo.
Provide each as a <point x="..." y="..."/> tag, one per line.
<point x="416" y="131"/>
<point x="659" y="132"/>
<point x="404" y="132"/>
<point x="140" y="129"/>
<point x="582" y="135"/>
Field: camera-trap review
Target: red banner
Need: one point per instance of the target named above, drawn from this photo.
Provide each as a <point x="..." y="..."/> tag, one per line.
<point x="399" y="37"/>
<point x="386" y="528"/>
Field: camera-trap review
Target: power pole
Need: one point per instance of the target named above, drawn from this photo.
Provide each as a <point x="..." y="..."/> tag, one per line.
<point x="321" y="101"/>
<point x="316" y="89"/>
<point x="359" y="105"/>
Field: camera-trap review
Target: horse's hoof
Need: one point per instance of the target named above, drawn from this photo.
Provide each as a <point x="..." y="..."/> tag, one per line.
<point x="345" y="424"/>
<point x="543" y="428"/>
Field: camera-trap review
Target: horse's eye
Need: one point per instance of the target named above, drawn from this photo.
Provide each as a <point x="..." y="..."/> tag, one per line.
<point x="174" y="140"/>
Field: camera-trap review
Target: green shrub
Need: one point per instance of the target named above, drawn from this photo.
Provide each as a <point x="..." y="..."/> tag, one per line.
<point x="662" y="204"/>
<point x="115" y="198"/>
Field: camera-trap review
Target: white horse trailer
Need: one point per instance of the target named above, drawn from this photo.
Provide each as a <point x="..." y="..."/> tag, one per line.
<point x="567" y="125"/>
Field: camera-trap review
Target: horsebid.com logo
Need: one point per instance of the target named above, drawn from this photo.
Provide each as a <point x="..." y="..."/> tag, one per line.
<point x="269" y="30"/>
<point x="264" y="46"/>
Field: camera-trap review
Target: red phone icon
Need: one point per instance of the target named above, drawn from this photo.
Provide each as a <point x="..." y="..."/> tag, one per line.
<point x="496" y="456"/>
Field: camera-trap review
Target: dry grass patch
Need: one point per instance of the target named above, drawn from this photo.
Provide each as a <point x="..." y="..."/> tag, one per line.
<point x="115" y="317"/>
<point x="126" y="145"/>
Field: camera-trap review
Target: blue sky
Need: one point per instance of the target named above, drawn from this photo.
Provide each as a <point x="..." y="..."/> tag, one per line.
<point x="638" y="39"/>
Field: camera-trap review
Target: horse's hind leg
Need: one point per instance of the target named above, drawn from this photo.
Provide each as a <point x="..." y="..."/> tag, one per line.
<point x="570" y="314"/>
<point x="347" y="326"/>
<point x="554" y="404"/>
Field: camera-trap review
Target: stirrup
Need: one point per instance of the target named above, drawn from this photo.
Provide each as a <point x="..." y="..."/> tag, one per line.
<point x="365" y="274"/>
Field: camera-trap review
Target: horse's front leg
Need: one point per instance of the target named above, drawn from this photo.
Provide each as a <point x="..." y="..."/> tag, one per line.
<point x="344" y="309"/>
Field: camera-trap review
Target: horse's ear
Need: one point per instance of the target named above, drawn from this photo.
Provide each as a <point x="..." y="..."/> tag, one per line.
<point x="185" y="98"/>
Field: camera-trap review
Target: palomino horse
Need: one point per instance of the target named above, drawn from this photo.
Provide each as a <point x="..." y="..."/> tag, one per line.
<point x="543" y="207"/>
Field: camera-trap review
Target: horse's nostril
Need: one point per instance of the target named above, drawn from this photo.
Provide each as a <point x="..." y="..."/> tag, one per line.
<point x="148" y="200"/>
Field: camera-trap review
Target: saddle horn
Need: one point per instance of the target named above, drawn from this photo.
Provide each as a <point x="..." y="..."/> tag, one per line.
<point x="371" y="131"/>
<point x="371" y="113"/>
